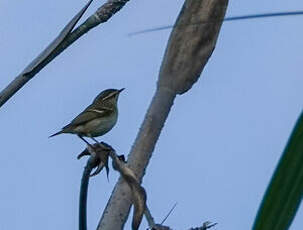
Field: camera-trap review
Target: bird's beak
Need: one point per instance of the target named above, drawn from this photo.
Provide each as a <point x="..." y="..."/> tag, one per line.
<point x="120" y="90"/>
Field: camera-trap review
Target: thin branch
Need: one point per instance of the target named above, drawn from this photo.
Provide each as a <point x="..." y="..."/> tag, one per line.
<point x="232" y="18"/>
<point x="151" y="223"/>
<point x="91" y="163"/>
<point x="168" y="214"/>
<point x="54" y="44"/>
<point x="103" y="14"/>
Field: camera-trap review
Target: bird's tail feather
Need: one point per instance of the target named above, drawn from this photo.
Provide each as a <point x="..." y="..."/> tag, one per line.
<point x="55" y="134"/>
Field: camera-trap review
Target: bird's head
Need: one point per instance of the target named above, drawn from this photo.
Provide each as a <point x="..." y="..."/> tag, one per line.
<point x="108" y="96"/>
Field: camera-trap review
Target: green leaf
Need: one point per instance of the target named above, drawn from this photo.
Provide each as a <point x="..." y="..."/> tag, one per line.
<point x="284" y="193"/>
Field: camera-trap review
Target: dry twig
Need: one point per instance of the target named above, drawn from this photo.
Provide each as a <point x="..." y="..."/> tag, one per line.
<point x="64" y="40"/>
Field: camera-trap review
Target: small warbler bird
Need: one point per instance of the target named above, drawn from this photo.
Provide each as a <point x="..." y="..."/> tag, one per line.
<point x="97" y="119"/>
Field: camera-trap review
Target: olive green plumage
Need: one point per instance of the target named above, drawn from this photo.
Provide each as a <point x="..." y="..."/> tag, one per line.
<point x="98" y="118"/>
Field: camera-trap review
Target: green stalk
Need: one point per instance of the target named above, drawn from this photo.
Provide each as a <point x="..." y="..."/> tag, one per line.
<point x="284" y="193"/>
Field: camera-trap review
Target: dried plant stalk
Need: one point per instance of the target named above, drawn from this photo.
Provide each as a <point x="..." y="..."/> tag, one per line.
<point x="188" y="51"/>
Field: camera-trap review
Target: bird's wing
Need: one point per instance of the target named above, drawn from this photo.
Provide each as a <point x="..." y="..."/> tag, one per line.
<point x="89" y="114"/>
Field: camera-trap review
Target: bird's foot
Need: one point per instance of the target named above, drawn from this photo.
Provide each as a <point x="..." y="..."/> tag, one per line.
<point x="100" y="154"/>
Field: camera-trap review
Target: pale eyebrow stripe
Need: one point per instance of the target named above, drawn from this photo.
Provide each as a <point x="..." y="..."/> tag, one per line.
<point x="110" y="95"/>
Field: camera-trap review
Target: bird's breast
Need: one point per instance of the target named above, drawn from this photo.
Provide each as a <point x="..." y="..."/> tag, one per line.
<point x="100" y="126"/>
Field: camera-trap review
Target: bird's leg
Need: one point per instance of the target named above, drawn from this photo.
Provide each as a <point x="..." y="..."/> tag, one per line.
<point x="85" y="141"/>
<point x="95" y="140"/>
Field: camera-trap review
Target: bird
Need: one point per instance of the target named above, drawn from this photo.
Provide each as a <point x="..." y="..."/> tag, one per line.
<point x="97" y="119"/>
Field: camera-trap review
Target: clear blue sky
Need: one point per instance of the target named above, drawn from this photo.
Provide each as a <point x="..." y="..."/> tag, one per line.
<point x="232" y="126"/>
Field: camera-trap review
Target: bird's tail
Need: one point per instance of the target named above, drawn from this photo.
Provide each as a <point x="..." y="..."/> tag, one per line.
<point x="55" y="134"/>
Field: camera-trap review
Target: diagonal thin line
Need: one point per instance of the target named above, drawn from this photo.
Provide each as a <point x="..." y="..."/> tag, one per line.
<point x="232" y="18"/>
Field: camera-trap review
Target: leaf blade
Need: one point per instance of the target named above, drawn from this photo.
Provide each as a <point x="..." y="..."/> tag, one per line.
<point x="284" y="193"/>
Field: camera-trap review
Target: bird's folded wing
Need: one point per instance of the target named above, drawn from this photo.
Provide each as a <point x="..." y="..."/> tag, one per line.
<point x="89" y="114"/>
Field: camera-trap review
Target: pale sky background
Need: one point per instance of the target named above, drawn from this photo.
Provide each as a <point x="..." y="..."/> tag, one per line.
<point x="232" y="125"/>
